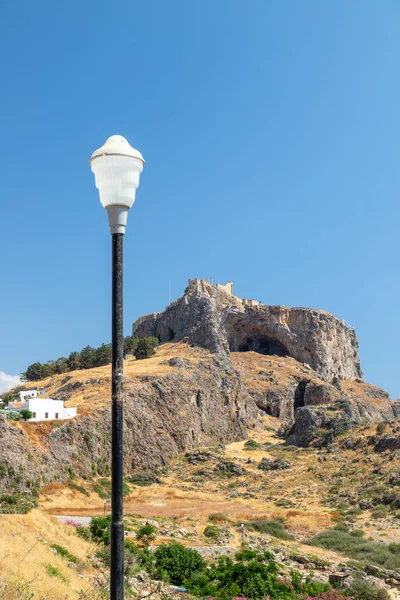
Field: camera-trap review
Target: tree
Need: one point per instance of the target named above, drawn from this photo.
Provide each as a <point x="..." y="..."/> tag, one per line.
<point x="103" y="355"/>
<point x="130" y="344"/>
<point x="73" y="361"/>
<point x="87" y="357"/>
<point x="26" y="414"/>
<point x="10" y="397"/>
<point x="61" y="365"/>
<point x="35" y="372"/>
<point x="145" y="347"/>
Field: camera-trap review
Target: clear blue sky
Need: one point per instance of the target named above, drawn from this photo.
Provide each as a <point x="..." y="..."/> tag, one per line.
<point x="271" y="133"/>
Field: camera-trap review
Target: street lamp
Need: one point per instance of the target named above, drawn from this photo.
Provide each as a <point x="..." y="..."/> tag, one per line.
<point x="117" y="167"/>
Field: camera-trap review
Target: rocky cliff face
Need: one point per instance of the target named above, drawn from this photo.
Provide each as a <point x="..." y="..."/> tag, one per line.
<point x="209" y="317"/>
<point x="241" y="360"/>
<point x="196" y="404"/>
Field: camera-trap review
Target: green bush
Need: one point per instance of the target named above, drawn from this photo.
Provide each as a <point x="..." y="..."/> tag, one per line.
<point x="146" y="534"/>
<point x="274" y="527"/>
<point x="175" y="563"/>
<point x="213" y="532"/>
<point x="255" y="579"/>
<point x="17" y="503"/>
<point x="100" y="529"/>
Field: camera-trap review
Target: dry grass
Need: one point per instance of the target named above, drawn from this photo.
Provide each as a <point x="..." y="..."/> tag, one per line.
<point x="281" y="368"/>
<point x="25" y="542"/>
<point x="95" y="391"/>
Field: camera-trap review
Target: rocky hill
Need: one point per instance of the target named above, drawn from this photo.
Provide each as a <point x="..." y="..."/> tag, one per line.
<point x="213" y="318"/>
<point x="222" y="365"/>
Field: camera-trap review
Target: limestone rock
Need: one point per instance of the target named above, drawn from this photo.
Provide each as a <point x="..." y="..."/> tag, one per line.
<point x="207" y="316"/>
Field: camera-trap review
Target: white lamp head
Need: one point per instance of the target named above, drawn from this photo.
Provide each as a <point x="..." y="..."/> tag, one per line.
<point x="117" y="167"/>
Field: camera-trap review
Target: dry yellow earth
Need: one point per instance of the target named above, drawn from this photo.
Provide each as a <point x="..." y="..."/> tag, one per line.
<point x="26" y="555"/>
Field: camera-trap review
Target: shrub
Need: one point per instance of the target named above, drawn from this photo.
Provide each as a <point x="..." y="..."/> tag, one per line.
<point x="16" y="503"/>
<point x="146" y="534"/>
<point x="100" y="529"/>
<point x="363" y="590"/>
<point x="144" y="478"/>
<point x="12" y="415"/>
<point x="252" y="445"/>
<point x="255" y="579"/>
<point x="79" y="488"/>
<point x="176" y="563"/>
<point x="213" y="532"/>
<point x="54" y="572"/>
<point x="380" y="428"/>
<point x="84" y="533"/>
<point x="358" y="548"/>
<point x="273" y="527"/>
<point x="331" y="595"/>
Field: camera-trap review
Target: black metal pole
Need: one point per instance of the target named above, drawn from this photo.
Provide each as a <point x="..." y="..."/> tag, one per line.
<point x="117" y="419"/>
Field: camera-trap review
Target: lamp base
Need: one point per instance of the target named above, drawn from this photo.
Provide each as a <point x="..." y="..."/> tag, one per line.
<point x="117" y="218"/>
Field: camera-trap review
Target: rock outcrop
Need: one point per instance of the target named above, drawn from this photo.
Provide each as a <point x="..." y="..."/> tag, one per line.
<point x="212" y="318"/>
<point x="201" y="406"/>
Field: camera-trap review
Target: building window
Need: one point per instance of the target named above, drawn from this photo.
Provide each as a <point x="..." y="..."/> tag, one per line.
<point x="56" y="415"/>
<point x="46" y="415"/>
<point x="33" y="415"/>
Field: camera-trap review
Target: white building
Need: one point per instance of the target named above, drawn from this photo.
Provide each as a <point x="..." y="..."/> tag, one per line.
<point x="28" y="394"/>
<point x="43" y="409"/>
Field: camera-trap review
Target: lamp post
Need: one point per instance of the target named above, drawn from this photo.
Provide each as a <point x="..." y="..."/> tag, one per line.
<point x="117" y="167"/>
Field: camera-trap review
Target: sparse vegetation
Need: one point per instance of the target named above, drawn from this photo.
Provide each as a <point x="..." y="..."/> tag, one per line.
<point x="252" y="445"/>
<point x="219" y="517"/>
<point x="363" y="590"/>
<point x="274" y="527"/>
<point x="65" y="553"/>
<point x="79" y="488"/>
<point x="144" y="478"/>
<point x="381" y="428"/>
<point x="354" y="545"/>
<point x="54" y="572"/>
